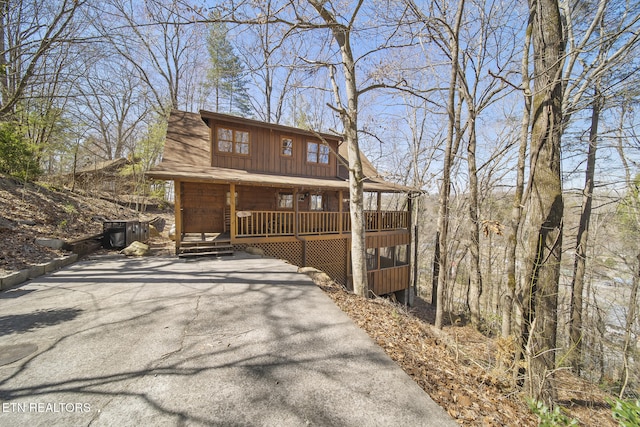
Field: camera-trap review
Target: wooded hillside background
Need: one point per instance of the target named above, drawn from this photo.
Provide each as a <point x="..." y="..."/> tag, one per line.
<point x="472" y="102"/>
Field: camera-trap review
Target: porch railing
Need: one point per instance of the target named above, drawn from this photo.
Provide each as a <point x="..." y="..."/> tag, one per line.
<point x="279" y="223"/>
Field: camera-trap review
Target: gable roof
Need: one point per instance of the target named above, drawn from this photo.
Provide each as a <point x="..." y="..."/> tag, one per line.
<point x="187" y="157"/>
<point x="210" y="115"/>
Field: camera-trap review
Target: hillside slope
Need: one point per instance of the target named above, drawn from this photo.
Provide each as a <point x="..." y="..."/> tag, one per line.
<point x="29" y="212"/>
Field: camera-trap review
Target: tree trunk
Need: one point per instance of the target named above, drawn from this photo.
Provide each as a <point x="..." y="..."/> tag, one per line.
<point x="475" y="275"/>
<point x="436" y="270"/>
<point x="627" y="349"/>
<point x="4" y="71"/>
<point x="577" y="285"/>
<point x="516" y="210"/>
<point x="445" y="187"/>
<point x="349" y="116"/>
<point x="544" y="208"/>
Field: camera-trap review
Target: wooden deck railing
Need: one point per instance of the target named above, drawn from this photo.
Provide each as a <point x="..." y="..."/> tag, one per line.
<point x="278" y="223"/>
<point x="264" y="223"/>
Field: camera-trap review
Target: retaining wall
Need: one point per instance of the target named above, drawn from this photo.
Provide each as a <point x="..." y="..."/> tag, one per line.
<point x="36" y="270"/>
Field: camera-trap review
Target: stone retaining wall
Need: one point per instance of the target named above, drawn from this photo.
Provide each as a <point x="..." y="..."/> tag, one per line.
<point x="36" y="270"/>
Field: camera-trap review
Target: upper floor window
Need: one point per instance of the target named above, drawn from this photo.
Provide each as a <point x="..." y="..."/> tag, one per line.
<point x="233" y="141"/>
<point x="317" y="153"/>
<point x="286" y="147"/>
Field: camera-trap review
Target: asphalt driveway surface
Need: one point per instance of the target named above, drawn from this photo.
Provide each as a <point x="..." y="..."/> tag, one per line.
<point x="237" y="341"/>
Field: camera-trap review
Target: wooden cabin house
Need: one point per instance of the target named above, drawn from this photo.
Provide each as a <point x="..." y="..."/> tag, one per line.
<point x="243" y="183"/>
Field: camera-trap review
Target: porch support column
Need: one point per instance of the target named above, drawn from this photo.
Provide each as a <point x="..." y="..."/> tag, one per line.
<point x="412" y="243"/>
<point x="177" y="204"/>
<point x="295" y="227"/>
<point x="340" y="216"/>
<point x="378" y="208"/>
<point x="295" y="212"/>
<point x="232" y="211"/>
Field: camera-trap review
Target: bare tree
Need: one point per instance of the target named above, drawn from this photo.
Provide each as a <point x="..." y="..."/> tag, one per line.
<point x="544" y="204"/>
<point x="451" y="35"/>
<point x="30" y="31"/>
<point x="274" y="64"/>
<point x="629" y="218"/>
<point x="161" y="43"/>
<point x="516" y="209"/>
<point x="116" y="102"/>
<point x="479" y="92"/>
<point x="603" y="46"/>
<point x="349" y="116"/>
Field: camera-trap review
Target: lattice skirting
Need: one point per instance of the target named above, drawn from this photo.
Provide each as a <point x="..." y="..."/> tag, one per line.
<point x="288" y="251"/>
<point x="329" y="256"/>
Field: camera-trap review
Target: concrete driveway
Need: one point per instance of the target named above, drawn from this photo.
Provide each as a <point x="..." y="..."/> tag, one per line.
<point x="238" y="341"/>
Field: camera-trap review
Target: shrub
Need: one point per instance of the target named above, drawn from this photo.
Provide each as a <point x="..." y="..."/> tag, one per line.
<point x="626" y="412"/>
<point x="17" y="157"/>
<point x="550" y="418"/>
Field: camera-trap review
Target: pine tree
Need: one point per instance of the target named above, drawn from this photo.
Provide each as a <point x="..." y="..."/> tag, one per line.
<point x="226" y="72"/>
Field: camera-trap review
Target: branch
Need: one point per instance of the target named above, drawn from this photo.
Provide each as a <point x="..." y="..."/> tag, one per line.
<point x="505" y="81"/>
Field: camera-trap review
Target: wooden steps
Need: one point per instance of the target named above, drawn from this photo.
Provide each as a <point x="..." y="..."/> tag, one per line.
<point x="217" y="246"/>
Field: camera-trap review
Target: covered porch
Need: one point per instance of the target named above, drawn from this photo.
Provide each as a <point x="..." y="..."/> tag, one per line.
<point x="244" y="214"/>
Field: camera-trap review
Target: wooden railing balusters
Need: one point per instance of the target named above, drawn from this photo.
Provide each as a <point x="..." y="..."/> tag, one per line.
<point x="277" y="223"/>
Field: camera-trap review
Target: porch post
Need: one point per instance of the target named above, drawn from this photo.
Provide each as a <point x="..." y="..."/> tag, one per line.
<point x="295" y="212"/>
<point x="378" y="213"/>
<point x="177" y="205"/>
<point x="412" y="260"/>
<point x="232" y="211"/>
<point x="340" y="216"/>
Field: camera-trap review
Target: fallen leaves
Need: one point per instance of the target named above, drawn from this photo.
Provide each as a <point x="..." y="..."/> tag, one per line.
<point x="31" y="211"/>
<point x="456" y="366"/>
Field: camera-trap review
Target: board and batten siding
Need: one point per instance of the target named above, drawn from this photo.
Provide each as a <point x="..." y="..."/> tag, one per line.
<point x="265" y="153"/>
<point x="201" y="207"/>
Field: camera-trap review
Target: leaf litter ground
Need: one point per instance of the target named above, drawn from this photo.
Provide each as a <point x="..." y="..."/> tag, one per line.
<point x="458" y="366"/>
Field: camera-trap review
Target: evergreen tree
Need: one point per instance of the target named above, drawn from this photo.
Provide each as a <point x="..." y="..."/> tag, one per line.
<point x="17" y="155"/>
<point x="226" y="72"/>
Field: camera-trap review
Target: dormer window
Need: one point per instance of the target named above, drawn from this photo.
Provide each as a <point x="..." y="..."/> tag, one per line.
<point x="232" y="141"/>
<point x="317" y="153"/>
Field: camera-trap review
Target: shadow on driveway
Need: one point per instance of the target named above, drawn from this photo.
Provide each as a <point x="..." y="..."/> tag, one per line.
<point x="234" y="341"/>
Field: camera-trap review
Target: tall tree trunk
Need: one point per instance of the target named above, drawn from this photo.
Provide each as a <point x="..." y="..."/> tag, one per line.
<point x="436" y="270"/>
<point x="628" y="347"/>
<point x="4" y="71"/>
<point x="516" y="209"/>
<point x="475" y="275"/>
<point x="445" y="187"/>
<point x="349" y="116"/>
<point x="577" y="285"/>
<point x="544" y="204"/>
